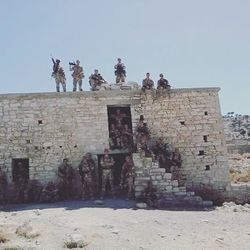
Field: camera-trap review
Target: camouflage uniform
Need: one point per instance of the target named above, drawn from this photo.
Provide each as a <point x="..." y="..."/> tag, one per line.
<point x="163" y="83"/>
<point x="176" y="164"/>
<point x="120" y="71"/>
<point x="65" y="173"/>
<point x="127" y="176"/>
<point x="59" y="75"/>
<point x="86" y="170"/>
<point x="147" y="83"/>
<point x="77" y="75"/>
<point x="127" y="137"/>
<point x="107" y="163"/>
<point x="114" y="137"/>
<point x="96" y="80"/>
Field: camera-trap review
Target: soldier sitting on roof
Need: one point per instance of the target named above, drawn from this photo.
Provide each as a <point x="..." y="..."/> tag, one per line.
<point x="96" y="80"/>
<point x="163" y="83"/>
<point x="147" y="83"/>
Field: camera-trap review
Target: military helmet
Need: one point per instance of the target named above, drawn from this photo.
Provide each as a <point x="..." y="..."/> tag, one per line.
<point x="161" y="75"/>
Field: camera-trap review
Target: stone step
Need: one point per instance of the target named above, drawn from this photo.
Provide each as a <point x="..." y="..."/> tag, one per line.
<point x="167" y="176"/>
<point x="207" y="203"/>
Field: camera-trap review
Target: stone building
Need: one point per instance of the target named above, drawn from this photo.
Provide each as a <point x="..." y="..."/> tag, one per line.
<point x="41" y="129"/>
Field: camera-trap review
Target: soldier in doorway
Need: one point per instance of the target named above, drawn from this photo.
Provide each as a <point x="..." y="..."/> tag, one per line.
<point x="127" y="137"/>
<point x="87" y="173"/>
<point x="77" y="74"/>
<point x="127" y="176"/>
<point x="107" y="163"/>
<point x="120" y="71"/>
<point x="118" y="117"/>
<point x="59" y="75"/>
<point x="65" y="174"/>
<point x="3" y="185"/>
<point x="21" y="181"/>
<point x="163" y="83"/>
<point x="147" y="83"/>
<point x="114" y="137"/>
<point x="96" y="80"/>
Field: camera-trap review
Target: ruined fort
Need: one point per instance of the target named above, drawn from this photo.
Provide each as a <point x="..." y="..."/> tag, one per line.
<point x="41" y="129"/>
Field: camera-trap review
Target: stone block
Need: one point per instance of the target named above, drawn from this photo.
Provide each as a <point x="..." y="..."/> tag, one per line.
<point x="158" y="177"/>
<point x="139" y="188"/>
<point x="167" y="176"/>
<point x="175" y="183"/>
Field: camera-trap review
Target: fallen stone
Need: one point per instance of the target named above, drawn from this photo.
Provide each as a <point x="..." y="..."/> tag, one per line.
<point x="141" y="205"/>
<point x="25" y="230"/>
<point x="75" y="241"/>
<point x="99" y="202"/>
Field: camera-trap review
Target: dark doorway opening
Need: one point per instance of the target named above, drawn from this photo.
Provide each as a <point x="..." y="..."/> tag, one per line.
<point x="20" y="169"/>
<point x="120" y="128"/>
<point x="119" y="161"/>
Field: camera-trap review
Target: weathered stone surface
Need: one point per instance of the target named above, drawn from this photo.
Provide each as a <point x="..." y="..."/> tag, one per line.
<point x="48" y="127"/>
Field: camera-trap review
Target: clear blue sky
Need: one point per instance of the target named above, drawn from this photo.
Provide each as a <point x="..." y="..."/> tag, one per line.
<point x="195" y="43"/>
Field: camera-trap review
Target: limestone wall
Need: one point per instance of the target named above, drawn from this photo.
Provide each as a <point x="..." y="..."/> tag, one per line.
<point x="48" y="127"/>
<point x="185" y="117"/>
<point x="239" y="193"/>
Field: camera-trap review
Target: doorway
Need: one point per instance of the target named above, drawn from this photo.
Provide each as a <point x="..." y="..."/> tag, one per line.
<point x="20" y="168"/>
<point x="120" y="128"/>
<point x="119" y="161"/>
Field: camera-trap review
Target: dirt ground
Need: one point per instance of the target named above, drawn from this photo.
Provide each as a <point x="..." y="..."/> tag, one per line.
<point x="118" y="225"/>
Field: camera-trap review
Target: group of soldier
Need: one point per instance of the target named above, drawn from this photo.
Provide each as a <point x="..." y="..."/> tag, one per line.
<point x="87" y="172"/>
<point x="96" y="80"/>
<point x="159" y="150"/>
<point x="120" y="134"/>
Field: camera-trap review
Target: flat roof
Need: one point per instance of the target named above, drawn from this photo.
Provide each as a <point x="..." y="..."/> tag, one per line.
<point x="103" y="93"/>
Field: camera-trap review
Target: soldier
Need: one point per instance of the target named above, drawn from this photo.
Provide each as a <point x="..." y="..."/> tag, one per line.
<point x="163" y="83"/>
<point x="127" y="176"/>
<point x="118" y="117"/>
<point x="77" y="74"/>
<point x="176" y="164"/>
<point x="147" y="83"/>
<point x="120" y="71"/>
<point x="107" y="164"/>
<point x="176" y="157"/>
<point x="3" y="185"/>
<point x="114" y="137"/>
<point x="21" y="181"/>
<point x="162" y="154"/>
<point x="127" y="137"/>
<point x="87" y="170"/>
<point x="65" y="173"/>
<point x="150" y="196"/>
<point x="59" y="75"/>
<point x="141" y="129"/>
<point x="96" y="80"/>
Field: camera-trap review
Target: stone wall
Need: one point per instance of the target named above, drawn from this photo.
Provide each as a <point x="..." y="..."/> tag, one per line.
<point x="239" y="193"/>
<point x="185" y="117"/>
<point x="51" y="126"/>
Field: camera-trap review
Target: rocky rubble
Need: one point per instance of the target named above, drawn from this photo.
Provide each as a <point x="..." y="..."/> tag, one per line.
<point x="232" y="207"/>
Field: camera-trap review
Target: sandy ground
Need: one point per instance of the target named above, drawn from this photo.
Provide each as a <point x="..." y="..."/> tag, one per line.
<point x="118" y="225"/>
